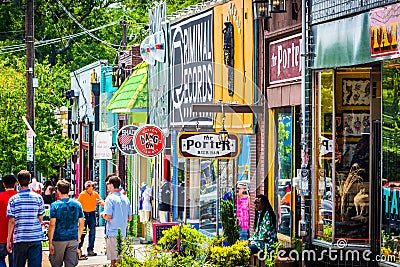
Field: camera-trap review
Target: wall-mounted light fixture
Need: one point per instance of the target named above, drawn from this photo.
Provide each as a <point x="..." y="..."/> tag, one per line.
<point x="261" y="9"/>
<point x="264" y="8"/>
<point x="223" y="134"/>
<point x="277" y="6"/>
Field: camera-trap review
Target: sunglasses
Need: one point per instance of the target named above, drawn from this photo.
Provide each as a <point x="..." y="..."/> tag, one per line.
<point x="257" y="203"/>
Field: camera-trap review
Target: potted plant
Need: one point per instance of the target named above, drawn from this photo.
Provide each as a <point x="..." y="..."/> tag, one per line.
<point x="229" y="222"/>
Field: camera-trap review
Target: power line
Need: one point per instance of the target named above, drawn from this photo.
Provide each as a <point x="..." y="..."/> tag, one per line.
<point x="83" y="28"/>
<point x="20" y="47"/>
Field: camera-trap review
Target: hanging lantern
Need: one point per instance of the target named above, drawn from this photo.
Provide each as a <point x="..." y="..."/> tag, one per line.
<point x="261" y="9"/>
<point x="277" y="6"/>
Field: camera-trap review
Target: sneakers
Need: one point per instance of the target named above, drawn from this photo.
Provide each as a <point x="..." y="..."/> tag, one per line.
<point x="92" y="253"/>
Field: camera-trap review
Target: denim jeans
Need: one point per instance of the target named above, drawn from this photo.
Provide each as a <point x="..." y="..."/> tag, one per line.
<point x="3" y="254"/>
<point x="31" y="251"/>
<point x="90" y="224"/>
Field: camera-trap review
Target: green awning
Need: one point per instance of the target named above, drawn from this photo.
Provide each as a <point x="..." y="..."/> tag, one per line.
<point x="132" y="94"/>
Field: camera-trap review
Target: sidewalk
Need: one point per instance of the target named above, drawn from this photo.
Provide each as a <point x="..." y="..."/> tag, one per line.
<point x="100" y="248"/>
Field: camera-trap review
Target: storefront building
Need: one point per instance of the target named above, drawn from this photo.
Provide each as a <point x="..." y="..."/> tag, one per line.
<point x="197" y="73"/>
<point x="355" y="99"/>
<point x="279" y="75"/>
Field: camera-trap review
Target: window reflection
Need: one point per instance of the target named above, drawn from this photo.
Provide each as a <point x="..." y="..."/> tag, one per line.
<point x="285" y="154"/>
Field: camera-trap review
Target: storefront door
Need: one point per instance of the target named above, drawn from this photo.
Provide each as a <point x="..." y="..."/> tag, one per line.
<point x="342" y="175"/>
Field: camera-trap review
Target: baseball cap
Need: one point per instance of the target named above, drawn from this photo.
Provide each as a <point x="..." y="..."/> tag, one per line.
<point x="89" y="183"/>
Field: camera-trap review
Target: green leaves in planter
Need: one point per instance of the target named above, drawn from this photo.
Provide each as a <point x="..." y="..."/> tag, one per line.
<point x="229" y="222"/>
<point x="229" y="256"/>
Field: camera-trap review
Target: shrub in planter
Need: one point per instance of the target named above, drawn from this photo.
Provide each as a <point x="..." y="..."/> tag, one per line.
<point x="229" y="256"/>
<point x="191" y="240"/>
<point x="229" y="222"/>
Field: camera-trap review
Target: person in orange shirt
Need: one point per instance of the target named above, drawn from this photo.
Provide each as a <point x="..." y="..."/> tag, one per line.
<point x="88" y="199"/>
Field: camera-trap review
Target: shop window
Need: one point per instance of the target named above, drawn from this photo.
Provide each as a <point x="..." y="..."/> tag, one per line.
<point x="391" y="159"/>
<point x="342" y="182"/>
<point x="208" y="195"/>
<point x="193" y="200"/>
<point x="287" y="138"/>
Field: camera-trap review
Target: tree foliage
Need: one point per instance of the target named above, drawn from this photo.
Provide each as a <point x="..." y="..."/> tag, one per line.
<point x="51" y="148"/>
<point x="62" y="29"/>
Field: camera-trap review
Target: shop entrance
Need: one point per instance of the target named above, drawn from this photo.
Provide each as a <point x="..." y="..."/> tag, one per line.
<point x="346" y="101"/>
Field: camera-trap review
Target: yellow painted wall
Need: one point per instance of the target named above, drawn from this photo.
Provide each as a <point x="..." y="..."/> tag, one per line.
<point x="271" y="157"/>
<point x="239" y="13"/>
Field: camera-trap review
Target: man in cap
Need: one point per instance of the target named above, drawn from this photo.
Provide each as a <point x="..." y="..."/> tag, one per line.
<point x="88" y="199"/>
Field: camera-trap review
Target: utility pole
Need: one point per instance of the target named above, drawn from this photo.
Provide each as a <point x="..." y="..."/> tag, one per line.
<point x="30" y="93"/>
<point x="123" y="23"/>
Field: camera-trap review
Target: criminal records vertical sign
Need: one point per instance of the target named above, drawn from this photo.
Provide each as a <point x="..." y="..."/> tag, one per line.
<point x="192" y="69"/>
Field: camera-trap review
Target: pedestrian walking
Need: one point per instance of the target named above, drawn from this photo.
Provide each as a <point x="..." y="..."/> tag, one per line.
<point x="9" y="182"/>
<point x="48" y="195"/>
<point x="65" y="229"/>
<point x="88" y="199"/>
<point x="25" y="212"/>
<point x="117" y="212"/>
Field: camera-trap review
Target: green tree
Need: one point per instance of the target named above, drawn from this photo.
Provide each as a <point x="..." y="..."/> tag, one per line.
<point x="51" y="148"/>
<point x="62" y="29"/>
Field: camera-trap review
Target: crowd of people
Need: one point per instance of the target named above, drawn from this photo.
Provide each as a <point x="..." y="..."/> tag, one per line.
<point x="22" y="210"/>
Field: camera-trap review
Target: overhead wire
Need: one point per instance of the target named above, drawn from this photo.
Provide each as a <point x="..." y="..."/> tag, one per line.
<point x="20" y="47"/>
<point x="76" y="43"/>
<point x="112" y="46"/>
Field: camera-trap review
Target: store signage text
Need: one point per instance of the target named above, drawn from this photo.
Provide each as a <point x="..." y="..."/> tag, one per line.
<point x="207" y="145"/>
<point x="325" y="146"/>
<point x="193" y="70"/>
<point x="125" y="138"/>
<point x="285" y="59"/>
<point x="384" y="33"/>
<point x="149" y="141"/>
<point x="234" y="14"/>
<point x="102" y="145"/>
<point x="391" y="200"/>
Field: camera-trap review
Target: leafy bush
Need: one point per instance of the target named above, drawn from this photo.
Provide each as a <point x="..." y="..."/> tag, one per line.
<point x="190" y="240"/>
<point x="230" y="256"/>
<point x="229" y="222"/>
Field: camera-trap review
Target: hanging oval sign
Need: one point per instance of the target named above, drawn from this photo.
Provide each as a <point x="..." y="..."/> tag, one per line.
<point x="149" y="141"/>
<point x="125" y="139"/>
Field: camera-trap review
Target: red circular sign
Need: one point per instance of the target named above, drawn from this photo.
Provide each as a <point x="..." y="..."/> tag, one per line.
<point x="149" y="141"/>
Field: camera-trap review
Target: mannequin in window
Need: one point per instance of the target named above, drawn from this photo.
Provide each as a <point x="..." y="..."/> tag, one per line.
<point x="164" y="204"/>
<point x="145" y="203"/>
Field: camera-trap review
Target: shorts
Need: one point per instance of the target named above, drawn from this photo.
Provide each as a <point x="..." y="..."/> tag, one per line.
<point x="111" y="248"/>
<point x="64" y="252"/>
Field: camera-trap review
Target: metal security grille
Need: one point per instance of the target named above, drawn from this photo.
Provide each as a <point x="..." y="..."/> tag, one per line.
<point x="324" y="10"/>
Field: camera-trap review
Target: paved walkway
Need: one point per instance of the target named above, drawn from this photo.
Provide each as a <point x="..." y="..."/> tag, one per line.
<point x="100" y="248"/>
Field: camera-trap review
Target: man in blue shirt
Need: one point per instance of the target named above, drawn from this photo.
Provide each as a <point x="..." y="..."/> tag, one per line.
<point x="25" y="212"/>
<point x="66" y="226"/>
<point x="117" y="212"/>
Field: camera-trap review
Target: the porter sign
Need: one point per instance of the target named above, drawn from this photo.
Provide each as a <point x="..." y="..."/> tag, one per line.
<point x="207" y="145"/>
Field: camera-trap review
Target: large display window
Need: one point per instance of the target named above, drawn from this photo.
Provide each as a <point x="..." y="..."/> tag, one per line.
<point x="342" y="140"/>
<point x="202" y="188"/>
<point x="288" y="140"/>
<point x="390" y="159"/>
